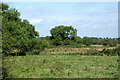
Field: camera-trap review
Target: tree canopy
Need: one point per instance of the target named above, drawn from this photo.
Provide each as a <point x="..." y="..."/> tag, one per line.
<point x="65" y="32"/>
<point x="61" y="33"/>
<point x="18" y="35"/>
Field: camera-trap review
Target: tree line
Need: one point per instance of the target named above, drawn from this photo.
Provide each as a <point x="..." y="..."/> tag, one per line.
<point x="67" y="35"/>
<point x="20" y="38"/>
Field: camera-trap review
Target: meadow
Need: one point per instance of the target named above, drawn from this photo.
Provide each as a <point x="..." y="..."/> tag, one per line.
<point x="63" y="54"/>
<point x="60" y="66"/>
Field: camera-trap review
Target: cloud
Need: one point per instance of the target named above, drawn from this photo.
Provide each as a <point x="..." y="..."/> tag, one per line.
<point x="35" y="21"/>
<point x="99" y="21"/>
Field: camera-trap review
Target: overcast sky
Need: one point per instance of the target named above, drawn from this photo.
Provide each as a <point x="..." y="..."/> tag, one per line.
<point x="92" y="19"/>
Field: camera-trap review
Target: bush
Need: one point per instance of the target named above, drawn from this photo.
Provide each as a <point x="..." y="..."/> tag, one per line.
<point x="78" y="40"/>
<point x="108" y="52"/>
<point x="38" y="45"/>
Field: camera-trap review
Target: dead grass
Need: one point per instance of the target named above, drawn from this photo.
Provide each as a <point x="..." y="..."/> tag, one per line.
<point x="73" y="50"/>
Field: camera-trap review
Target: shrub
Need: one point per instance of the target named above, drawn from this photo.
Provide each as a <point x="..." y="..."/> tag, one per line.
<point x="78" y="40"/>
<point x="108" y="52"/>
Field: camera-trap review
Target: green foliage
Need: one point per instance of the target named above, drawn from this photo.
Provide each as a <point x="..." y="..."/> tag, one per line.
<point x="87" y="41"/>
<point x="4" y="7"/>
<point x="36" y="46"/>
<point x="109" y="42"/>
<point x="65" y="32"/>
<point x="108" y="52"/>
<point x="67" y="42"/>
<point x="104" y="42"/>
<point x="57" y="41"/>
<point x="19" y="36"/>
<point x="78" y="40"/>
<point x="119" y="40"/>
<point x="62" y="35"/>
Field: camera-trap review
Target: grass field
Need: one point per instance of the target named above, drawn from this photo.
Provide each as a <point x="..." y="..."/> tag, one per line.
<point x="61" y="66"/>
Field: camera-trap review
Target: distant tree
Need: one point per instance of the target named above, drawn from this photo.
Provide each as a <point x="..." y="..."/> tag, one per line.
<point x="112" y="42"/>
<point x="87" y="41"/>
<point x="104" y="42"/>
<point x="78" y="40"/>
<point x="61" y="33"/>
<point x="65" y="32"/>
<point x="109" y="42"/>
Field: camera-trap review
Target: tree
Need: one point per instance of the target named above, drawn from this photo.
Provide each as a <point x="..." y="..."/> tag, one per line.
<point x="18" y="37"/>
<point x="65" y="32"/>
<point x="78" y="40"/>
<point x="57" y="41"/>
<point x="61" y="33"/>
<point x="87" y="41"/>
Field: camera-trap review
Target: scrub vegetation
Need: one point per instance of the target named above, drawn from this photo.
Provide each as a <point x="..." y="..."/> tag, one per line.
<point x="61" y="55"/>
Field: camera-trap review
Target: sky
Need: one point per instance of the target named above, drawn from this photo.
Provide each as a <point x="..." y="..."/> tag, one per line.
<point x="91" y="19"/>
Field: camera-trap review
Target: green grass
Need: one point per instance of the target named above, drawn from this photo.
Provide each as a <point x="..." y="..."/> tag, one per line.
<point x="0" y="21"/>
<point x="61" y="66"/>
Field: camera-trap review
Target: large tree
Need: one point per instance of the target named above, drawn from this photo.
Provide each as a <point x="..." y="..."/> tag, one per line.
<point x="61" y="33"/>
<point x="19" y="36"/>
<point x="65" y="32"/>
